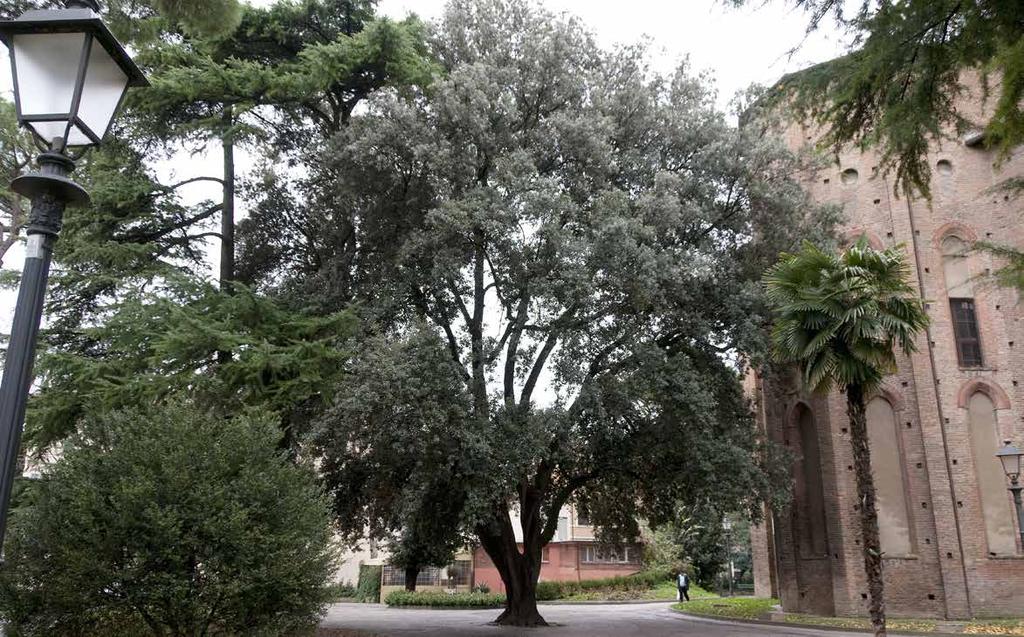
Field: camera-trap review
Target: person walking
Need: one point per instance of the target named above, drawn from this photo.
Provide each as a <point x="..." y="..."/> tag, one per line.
<point x="683" y="583"/>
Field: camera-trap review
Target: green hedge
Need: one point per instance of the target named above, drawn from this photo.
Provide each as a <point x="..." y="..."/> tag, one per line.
<point x="368" y="588"/>
<point x="547" y="591"/>
<point x="441" y="599"/>
<point x="341" y="590"/>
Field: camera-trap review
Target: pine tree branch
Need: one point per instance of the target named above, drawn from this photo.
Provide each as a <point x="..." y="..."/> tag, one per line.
<point x="181" y="225"/>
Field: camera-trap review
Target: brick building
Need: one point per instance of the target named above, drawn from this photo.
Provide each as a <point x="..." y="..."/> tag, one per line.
<point x="572" y="555"/>
<point x="947" y="521"/>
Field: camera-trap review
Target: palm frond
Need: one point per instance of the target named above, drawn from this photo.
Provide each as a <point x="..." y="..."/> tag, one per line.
<point x="840" y="317"/>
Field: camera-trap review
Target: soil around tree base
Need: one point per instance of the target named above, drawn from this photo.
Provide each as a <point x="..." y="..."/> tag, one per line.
<point x="520" y="620"/>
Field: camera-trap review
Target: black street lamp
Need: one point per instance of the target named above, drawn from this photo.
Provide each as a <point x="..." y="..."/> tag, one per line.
<point x="1010" y="456"/>
<point x="727" y="527"/>
<point x="70" y="77"/>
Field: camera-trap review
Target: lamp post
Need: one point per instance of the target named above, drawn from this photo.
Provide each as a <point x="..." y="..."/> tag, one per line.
<point x="727" y="526"/>
<point x="1010" y="456"/>
<point x="70" y="77"/>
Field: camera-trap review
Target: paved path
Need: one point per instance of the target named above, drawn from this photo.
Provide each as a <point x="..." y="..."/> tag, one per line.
<point x="619" y="620"/>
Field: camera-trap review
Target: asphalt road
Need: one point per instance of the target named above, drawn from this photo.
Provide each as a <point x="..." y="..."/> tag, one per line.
<point x="618" y="620"/>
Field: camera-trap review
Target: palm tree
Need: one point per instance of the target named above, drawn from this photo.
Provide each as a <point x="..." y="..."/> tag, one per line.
<point x="841" y="318"/>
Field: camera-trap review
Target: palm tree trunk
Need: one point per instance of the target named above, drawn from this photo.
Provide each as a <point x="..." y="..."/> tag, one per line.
<point x="870" y="542"/>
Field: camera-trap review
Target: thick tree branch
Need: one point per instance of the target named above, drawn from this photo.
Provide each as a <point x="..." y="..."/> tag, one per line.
<point x="476" y="331"/>
<point x="181" y="225"/>
<point x="556" y="328"/>
<point x="513" y="348"/>
<point x="420" y="300"/>
<point x="216" y="180"/>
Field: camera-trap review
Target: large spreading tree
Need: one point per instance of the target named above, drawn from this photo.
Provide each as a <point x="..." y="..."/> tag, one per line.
<point x="584" y="239"/>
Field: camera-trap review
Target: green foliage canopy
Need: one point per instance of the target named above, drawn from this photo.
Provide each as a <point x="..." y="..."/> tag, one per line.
<point x="584" y="238"/>
<point x="155" y="345"/>
<point x="135" y="19"/>
<point x="899" y="88"/>
<point x="16" y="151"/>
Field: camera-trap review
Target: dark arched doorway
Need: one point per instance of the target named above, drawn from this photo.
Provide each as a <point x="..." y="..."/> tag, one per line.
<point x="809" y="520"/>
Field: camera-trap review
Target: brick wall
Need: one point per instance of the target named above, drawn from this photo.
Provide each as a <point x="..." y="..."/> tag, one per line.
<point x="950" y="572"/>
<point x="563" y="564"/>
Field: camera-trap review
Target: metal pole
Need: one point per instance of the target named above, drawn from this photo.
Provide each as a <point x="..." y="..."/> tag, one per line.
<point x="1015" y="489"/>
<point x="728" y="542"/>
<point x="44" y="225"/>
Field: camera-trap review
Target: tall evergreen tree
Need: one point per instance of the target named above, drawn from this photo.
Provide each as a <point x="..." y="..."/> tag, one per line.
<point x="898" y="89"/>
<point x="134" y="18"/>
<point x="139" y="244"/>
<point x="16" y="152"/>
<point x="841" y="318"/>
<point x="283" y="69"/>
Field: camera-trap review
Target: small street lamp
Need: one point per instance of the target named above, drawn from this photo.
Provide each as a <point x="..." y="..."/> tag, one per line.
<point x="1010" y="456"/>
<point x="70" y="77"/>
<point x="727" y="527"/>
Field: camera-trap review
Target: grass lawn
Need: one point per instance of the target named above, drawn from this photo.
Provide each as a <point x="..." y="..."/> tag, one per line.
<point x="728" y="607"/>
<point x="757" y="608"/>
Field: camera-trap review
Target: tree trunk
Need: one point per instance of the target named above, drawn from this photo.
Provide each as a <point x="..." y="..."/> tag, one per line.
<point x="519" y="573"/>
<point x="411" y="575"/>
<point x="520" y="594"/>
<point x="870" y="541"/>
<point x="226" y="273"/>
<point x="227" y="219"/>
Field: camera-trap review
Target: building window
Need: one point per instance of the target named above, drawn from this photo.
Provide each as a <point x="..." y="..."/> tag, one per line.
<point x="610" y="554"/>
<point x="394" y="576"/>
<point x="965" y="330"/>
<point x="545" y="555"/>
<point x="582" y="516"/>
<point x="996" y="510"/>
<point x="809" y="492"/>
<point x="888" y="472"/>
<point x="956" y="267"/>
<point x="458" y="574"/>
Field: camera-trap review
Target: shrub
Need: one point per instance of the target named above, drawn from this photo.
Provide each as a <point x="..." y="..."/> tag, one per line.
<point x="547" y="591"/>
<point x="341" y="590"/>
<point x="368" y="587"/>
<point x="441" y="599"/>
<point x="169" y="522"/>
<point x="481" y="588"/>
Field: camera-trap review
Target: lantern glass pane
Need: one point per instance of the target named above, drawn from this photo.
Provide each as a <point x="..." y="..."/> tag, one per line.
<point x="46" y="65"/>
<point x="1011" y="462"/>
<point x="105" y="83"/>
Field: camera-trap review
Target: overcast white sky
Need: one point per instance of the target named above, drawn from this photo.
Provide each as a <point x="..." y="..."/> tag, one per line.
<point x="739" y="46"/>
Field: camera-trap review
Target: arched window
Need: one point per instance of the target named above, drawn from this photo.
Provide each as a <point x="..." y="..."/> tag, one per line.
<point x="960" y="289"/>
<point x="810" y="493"/>
<point x="890" y="486"/>
<point x="995" y="506"/>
